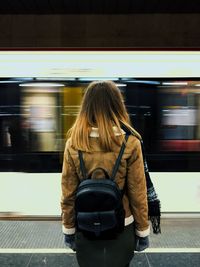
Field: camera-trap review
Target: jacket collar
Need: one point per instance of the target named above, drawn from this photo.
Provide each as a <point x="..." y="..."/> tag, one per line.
<point x="95" y="132"/>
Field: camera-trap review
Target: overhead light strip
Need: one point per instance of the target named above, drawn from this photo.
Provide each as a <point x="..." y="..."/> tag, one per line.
<point x="41" y="85"/>
<point x="175" y="83"/>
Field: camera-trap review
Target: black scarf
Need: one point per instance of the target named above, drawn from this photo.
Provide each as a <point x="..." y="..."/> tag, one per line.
<point x="152" y="198"/>
<point x="154" y="209"/>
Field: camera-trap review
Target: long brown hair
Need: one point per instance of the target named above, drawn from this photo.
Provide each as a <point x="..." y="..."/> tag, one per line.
<point x="102" y="107"/>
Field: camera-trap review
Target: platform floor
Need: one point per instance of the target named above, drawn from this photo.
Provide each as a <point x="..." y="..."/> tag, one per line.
<point x="40" y="243"/>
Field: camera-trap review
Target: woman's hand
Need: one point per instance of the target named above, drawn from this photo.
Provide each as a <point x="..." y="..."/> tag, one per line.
<point x="141" y="243"/>
<point x="70" y="241"/>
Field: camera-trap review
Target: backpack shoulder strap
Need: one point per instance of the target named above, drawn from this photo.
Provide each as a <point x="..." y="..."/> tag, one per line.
<point x="116" y="166"/>
<point x="82" y="164"/>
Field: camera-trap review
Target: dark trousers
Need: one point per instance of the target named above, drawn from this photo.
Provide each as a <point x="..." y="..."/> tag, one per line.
<point x="116" y="252"/>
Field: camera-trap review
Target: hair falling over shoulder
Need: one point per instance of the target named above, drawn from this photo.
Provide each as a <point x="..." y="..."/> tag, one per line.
<point x="102" y="107"/>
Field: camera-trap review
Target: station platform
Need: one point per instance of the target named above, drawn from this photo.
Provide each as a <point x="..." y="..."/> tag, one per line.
<point x="40" y="243"/>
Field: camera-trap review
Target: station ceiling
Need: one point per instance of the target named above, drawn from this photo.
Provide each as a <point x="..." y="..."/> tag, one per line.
<point x="98" y="6"/>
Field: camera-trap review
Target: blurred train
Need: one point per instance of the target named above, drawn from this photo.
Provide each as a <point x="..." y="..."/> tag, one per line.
<point x="35" y="115"/>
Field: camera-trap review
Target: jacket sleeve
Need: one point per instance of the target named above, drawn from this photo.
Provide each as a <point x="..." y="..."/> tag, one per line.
<point x="69" y="185"/>
<point x="137" y="191"/>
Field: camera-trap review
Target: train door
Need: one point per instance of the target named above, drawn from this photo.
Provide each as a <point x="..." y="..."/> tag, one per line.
<point x="141" y="103"/>
<point x="71" y="100"/>
<point x="198" y="118"/>
<point x="11" y="143"/>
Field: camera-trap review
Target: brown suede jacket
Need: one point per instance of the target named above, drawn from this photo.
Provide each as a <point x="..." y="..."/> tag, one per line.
<point x="131" y="172"/>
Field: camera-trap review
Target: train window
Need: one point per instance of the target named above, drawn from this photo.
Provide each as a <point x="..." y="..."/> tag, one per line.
<point x="179" y="119"/>
<point x="40" y="120"/>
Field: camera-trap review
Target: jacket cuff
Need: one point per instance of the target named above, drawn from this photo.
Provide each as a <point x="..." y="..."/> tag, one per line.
<point x="143" y="233"/>
<point x="68" y="231"/>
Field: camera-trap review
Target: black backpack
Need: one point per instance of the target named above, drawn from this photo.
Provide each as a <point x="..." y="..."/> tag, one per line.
<point x="99" y="211"/>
